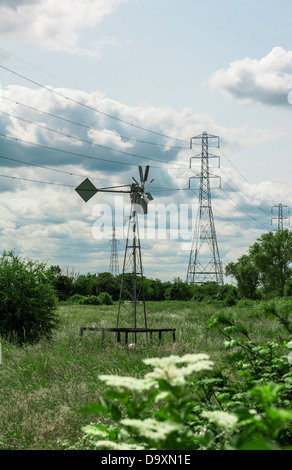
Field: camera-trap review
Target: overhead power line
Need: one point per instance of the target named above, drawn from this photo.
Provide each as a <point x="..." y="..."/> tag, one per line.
<point x="91" y="157"/>
<point x="37" y="181"/>
<point x="51" y="90"/>
<point x="229" y="200"/>
<point x="23" y="162"/>
<point x="69" y="136"/>
<point x="245" y="179"/>
<point x="102" y="131"/>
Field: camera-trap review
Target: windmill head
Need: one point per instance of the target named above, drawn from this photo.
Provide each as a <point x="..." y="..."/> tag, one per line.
<point x="139" y="198"/>
<point x="137" y="191"/>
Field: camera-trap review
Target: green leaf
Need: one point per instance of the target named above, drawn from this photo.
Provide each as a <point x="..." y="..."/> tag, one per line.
<point x="259" y="444"/>
<point x="95" y="408"/>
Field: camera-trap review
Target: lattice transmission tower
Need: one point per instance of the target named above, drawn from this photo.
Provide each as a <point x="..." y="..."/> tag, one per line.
<point x="204" y="262"/>
<point x="114" y="261"/>
<point x="282" y="209"/>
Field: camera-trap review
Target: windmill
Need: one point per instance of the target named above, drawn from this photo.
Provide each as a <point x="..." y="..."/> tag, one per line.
<point x="132" y="298"/>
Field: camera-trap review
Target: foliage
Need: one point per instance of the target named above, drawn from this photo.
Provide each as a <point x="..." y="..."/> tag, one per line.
<point x="64" y="285"/>
<point x="102" y="299"/>
<point x="160" y="412"/>
<point x="267" y="264"/>
<point x="43" y="385"/>
<point x="87" y="285"/>
<point x="246" y="274"/>
<point x="272" y="254"/>
<point x="282" y="312"/>
<point x="184" y="404"/>
<point x="178" y="290"/>
<point x="105" y="298"/>
<point x="27" y="299"/>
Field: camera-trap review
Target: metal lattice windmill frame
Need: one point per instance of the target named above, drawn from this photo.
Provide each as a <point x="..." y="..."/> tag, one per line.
<point x="204" y="262"/>
<point x="132" y="296"/>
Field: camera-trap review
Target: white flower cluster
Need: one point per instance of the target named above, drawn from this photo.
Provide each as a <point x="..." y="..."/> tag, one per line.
<point x="152" y="429"/>
<point x="222" y="419"/>
<point x="173" y="368"/>
<point x="167" y="367"/>
<point x="106" y="444"/>
<point x="128" y="383"/>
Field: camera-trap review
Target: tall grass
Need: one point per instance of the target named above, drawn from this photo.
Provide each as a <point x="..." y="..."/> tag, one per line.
<point x="42" y="387"/>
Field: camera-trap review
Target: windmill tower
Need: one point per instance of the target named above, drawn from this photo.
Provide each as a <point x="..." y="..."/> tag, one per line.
<point x="114" y="261"/>
<point x="204" y="262"/>
<point x="132" y="284"/>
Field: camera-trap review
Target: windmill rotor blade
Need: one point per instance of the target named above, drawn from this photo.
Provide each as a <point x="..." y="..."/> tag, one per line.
<point x="148" y="184"/>
<point x="135" y="180"/>
<point x="146" y="173"/>
<point x="141" y="174"/>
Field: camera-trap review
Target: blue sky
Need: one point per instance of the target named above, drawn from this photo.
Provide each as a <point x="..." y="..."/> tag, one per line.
<point x="175" y="68"/>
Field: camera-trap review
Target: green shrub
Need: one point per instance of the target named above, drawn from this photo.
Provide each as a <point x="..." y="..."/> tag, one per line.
<point x="76" y="299"/>
<point x="102" y="299"/>
<point x="160" y="412"/>
<point x="28" y="301"/>
<point x="91" y="300"/>
<point x="105" y="298"/>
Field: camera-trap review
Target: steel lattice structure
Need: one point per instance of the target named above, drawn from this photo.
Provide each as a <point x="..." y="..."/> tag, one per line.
<point x="280" y="217"/>
<point x="132" y="309"/>
<point x="204" y="262"/>
<point x="114" y="261"/>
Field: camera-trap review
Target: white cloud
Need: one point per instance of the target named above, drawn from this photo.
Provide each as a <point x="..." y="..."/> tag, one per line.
<point x="250" y="80"/>
<point x="55" y="24"/>
<point x="46" y="213"/>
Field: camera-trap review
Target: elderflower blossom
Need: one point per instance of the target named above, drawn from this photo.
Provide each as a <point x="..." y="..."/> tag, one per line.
<point x="117" y="446"/>
<point x="94" y="431"/>
<point x="222" y="419"/>
<point x="166" y="368"/>
<point x="152" y="429"/>
<point x="129" y="383"/>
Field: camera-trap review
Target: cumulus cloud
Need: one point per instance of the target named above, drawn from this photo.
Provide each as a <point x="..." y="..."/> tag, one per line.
<point x="54" y="24"/>
<point x="58" y="218"/>
<point x="263" y="81"/>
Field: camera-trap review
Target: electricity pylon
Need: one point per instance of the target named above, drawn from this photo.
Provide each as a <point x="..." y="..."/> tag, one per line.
<point x="280" y="217"/>
<point x="204" y="262"/>
<point x="114" y="261"/>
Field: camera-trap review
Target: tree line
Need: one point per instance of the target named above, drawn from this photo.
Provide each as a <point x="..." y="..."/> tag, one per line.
<point x="30" y="290"/>
<point x="265" y="271"/>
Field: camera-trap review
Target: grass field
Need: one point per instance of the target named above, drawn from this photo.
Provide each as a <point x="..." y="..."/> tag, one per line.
<point x="43" y="386"/>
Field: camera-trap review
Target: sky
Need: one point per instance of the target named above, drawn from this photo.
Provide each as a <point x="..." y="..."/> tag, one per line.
<point x="95" y="88"/>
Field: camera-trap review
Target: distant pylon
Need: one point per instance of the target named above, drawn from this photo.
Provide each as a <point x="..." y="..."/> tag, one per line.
<point x="280" y="217"/>
<point x="204" y="262"/>
<point x="114" y="261"/>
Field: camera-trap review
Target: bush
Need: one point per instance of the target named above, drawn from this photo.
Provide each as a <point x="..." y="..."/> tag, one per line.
<point x="102" y="299"/>
<point x="105" y="298"/>
<point x="259" y="419"/>
<point x="28" y="301"/>
<point x="288" y="288"/>
<point x="91" y="300"/>
<point x="76" y="299"/>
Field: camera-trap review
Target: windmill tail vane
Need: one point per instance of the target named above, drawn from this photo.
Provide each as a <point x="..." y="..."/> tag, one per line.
<point x="87" y="190"/>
